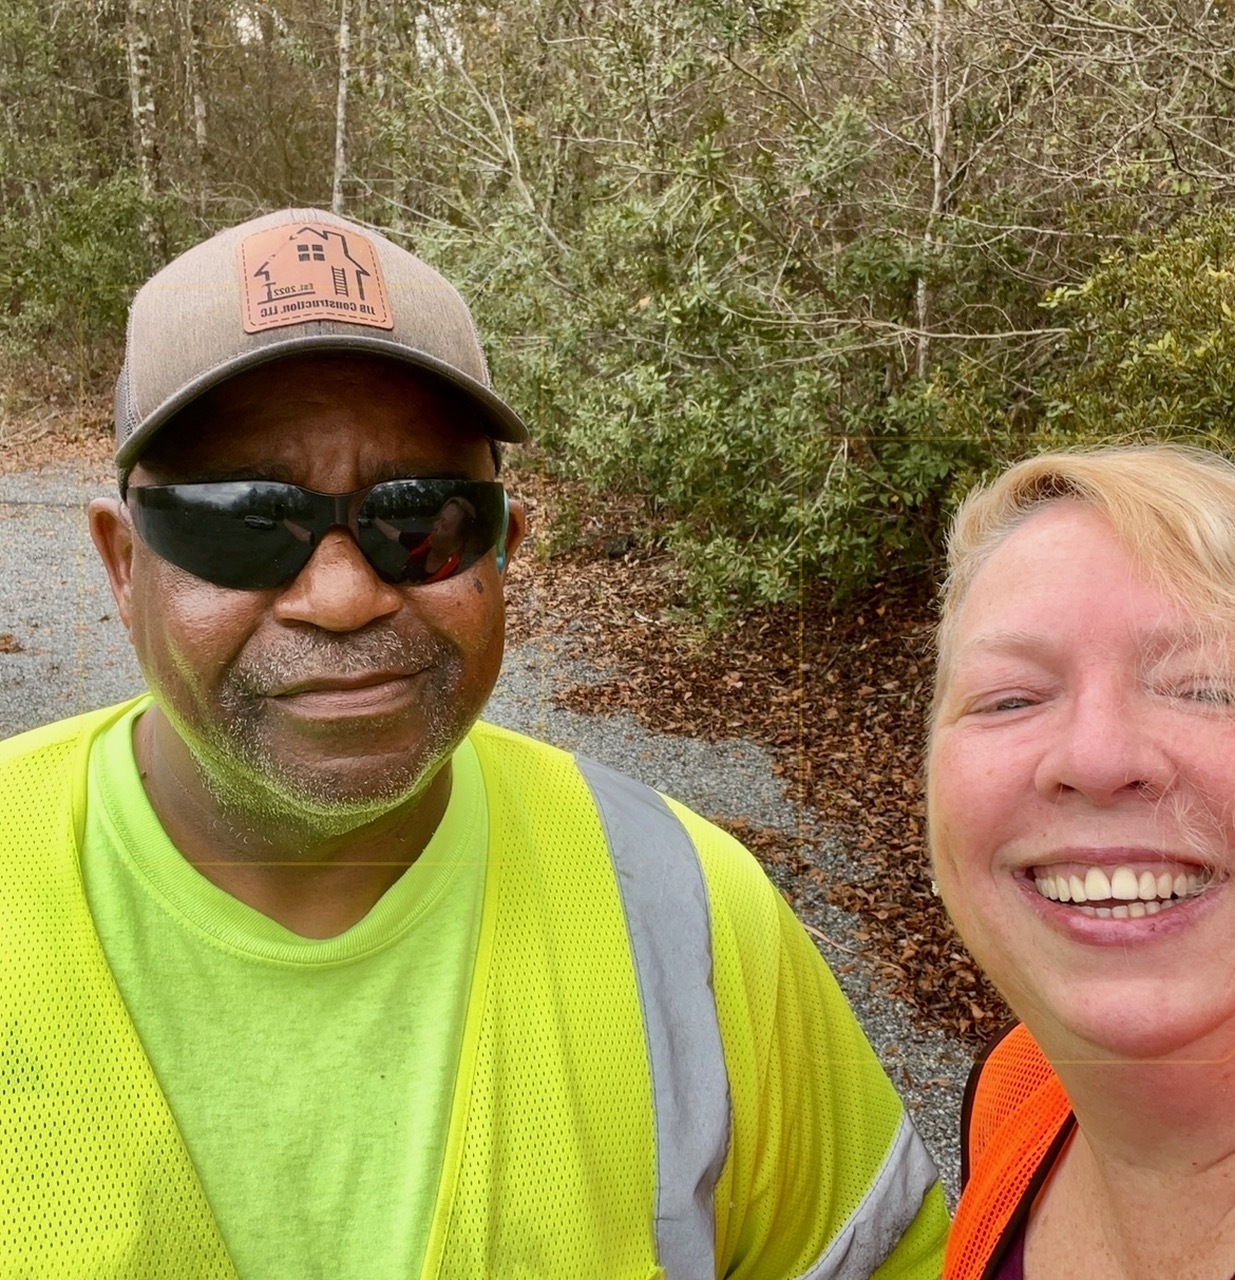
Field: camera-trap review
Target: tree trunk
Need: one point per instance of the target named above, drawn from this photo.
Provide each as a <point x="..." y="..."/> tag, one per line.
<point x="939" y="111"/>
<point x="196" y="93"/>
<point x="340" y="117"/>
<point x="141" y="97"/>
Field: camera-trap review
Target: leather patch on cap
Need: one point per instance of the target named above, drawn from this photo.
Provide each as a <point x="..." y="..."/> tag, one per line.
<point x="311" y="271"/>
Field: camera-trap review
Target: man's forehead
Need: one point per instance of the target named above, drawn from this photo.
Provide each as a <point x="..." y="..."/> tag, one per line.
<point x="391" y="417"/>
<point x="331" y="379"/>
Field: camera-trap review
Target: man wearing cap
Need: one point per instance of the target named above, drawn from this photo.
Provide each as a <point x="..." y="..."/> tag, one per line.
<point x="310" y="973"/>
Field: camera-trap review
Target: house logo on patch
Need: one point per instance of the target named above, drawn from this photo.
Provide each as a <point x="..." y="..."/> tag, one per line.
<point x="311" y="271"/>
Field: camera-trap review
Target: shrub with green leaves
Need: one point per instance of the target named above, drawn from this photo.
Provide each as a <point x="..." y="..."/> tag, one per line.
<point x="1151" y="349"/>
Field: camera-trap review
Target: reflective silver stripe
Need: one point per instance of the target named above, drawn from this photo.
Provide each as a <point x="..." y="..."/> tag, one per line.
<point x="668" y="918"/>
<point x="887" y="1211"/>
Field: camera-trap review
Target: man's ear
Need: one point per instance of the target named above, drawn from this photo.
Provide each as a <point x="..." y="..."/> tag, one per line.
<point x="112" y="532"/>
<point x="516" y="528"/>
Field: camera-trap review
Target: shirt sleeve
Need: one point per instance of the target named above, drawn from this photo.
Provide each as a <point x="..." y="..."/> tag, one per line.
<point x="826" y="1176"/>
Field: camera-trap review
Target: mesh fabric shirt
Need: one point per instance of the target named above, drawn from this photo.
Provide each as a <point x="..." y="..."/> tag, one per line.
<point x="556" y="1122"/>
<point x="311" y="1079"/>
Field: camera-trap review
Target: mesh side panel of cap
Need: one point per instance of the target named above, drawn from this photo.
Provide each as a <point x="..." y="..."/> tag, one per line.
<point x="94" y="1178"/>
<point x="557" y="1167"/>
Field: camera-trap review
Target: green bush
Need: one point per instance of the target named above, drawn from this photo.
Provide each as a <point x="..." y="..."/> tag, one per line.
<point x="67" y="279"/>
<point x="1152" y="340"/>
<point x="770" y="451"/>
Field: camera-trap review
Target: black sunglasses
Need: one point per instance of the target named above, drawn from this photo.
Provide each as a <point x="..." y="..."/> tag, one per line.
<point x="254" y="534"/>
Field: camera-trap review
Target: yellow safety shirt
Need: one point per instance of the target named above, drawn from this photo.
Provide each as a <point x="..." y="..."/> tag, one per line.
<point x="658" y="1077"/>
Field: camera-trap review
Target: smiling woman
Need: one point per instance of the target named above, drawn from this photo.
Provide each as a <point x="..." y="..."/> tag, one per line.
<point x="1081" y="790"/>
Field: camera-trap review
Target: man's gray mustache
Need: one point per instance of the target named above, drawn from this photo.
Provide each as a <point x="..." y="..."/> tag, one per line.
<point x="309" y="657"/>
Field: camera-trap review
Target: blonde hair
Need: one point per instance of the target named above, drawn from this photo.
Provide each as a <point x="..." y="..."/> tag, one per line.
<point x="1171" y="505"/>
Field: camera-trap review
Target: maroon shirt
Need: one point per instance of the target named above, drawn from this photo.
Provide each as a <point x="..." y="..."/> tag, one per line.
<point x="1013" y="1265"/>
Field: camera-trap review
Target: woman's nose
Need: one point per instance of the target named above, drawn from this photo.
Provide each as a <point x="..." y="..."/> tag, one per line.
<point x="1105" y="745"/>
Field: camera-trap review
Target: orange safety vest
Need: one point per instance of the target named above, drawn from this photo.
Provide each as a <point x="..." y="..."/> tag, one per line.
<point x="1014" y="1123"/>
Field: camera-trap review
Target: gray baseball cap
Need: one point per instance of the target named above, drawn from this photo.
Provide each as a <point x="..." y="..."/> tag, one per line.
<point x="296" y="281"/>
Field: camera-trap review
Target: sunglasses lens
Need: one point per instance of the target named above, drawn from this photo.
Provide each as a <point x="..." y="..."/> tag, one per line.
<point x="415" y="531"/>
<point x="254" y="534"/>
<point x="246" y="533"/>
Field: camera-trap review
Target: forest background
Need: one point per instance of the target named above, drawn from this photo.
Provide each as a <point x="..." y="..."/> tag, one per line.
<point x="780" y="279"/>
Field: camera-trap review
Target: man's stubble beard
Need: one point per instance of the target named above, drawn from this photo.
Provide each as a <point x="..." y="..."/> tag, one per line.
<point x="262" y="793"/>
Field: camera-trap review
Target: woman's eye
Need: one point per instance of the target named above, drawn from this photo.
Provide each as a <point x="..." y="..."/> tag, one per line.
<point x="1001" y="702"/>
<point x="1010" y="702"/>
<point x="1212" y="695"/>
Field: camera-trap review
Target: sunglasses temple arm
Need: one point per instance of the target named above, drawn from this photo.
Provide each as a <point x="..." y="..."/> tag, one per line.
<point x="503" y="532"/>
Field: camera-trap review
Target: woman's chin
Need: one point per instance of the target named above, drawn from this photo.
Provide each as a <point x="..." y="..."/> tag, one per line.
<point x="1142" y="1023"/>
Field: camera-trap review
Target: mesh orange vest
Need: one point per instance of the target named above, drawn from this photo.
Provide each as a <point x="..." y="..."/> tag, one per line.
<point x="1016" y="1117"/>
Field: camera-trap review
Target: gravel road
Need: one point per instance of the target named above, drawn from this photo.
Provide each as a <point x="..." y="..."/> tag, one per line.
<point x="62" y="650"/>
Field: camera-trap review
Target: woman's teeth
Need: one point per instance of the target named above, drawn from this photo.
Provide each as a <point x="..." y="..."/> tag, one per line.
<point x="1124" y="894"/>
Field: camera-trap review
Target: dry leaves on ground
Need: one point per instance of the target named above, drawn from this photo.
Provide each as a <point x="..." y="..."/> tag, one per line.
<point x="58" y="430"/>
<point x="838" y="696"/>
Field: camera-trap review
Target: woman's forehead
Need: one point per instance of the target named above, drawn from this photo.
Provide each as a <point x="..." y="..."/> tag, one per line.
<point x="1066" y="574"/>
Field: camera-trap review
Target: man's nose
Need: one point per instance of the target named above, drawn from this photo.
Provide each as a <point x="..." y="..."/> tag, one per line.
<point x="338" y="590"/>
